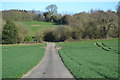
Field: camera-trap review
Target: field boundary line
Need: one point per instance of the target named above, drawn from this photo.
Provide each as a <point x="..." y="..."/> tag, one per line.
<point x="27" y="73"/>
<point x="21" y="44"/>
<point x="66" y="65"/>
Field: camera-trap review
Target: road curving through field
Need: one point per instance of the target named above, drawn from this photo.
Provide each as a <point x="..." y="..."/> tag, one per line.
<point x="50" y="67"/>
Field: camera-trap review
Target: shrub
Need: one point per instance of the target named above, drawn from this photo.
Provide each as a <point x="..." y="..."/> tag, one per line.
<point x="39" y="37"/>
<point x="28" y="39"/>
<point x="22" y="31"/>
<point x="10" y="33"/>
<point x="48" y="35"/>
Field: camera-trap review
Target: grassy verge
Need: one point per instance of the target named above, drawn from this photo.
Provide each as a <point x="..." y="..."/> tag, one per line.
<point x="86" y="60"/>
<point x="19" y="59"/>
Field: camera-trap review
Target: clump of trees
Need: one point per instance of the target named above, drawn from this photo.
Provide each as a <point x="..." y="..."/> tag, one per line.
<point x="10" y="33"/>
<point x="13" y="33"/>
<point x="94" y="25"/>
<point x="51" y="14"/>
<point x="97" y="24"/>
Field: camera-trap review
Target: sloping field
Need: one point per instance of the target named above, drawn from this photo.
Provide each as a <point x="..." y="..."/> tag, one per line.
<point x="19" y="59"/>
<point x="35" y="26"/>
<point x="85" y="59"/>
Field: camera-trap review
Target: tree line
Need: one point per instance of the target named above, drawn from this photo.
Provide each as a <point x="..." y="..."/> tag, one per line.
<point x="97" y="24"/>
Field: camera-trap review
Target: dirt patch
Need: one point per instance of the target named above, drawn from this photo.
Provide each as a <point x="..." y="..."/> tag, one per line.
<point x="44" y="47"/>
<point x="58" y="47"/>
<point x="35" y="25"/>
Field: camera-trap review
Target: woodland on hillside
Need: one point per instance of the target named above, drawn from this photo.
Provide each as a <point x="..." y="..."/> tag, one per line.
<point x="96" y="24"/>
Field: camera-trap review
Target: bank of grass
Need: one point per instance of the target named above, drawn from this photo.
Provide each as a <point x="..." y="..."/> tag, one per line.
<point x="87" y="60"/>
<point x="35" y="26"/>
<point x="19" y="59"/>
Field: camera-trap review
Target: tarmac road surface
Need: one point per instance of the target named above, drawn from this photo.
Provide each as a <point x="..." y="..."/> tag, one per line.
<point x="51" y="66"/>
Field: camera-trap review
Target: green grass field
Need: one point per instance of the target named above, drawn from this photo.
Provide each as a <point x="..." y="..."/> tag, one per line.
<point x="35" y="26"/>
<point x="19" y="59"/>
<point x="85" y="59"/>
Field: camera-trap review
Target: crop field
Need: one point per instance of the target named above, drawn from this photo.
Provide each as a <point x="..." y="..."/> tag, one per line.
<point x="19" y="59"/>
<point x="91" y="58"/>
<point x="35" y="26"/>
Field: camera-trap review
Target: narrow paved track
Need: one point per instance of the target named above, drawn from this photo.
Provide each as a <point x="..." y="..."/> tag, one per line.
<point x="50" y="67"/>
